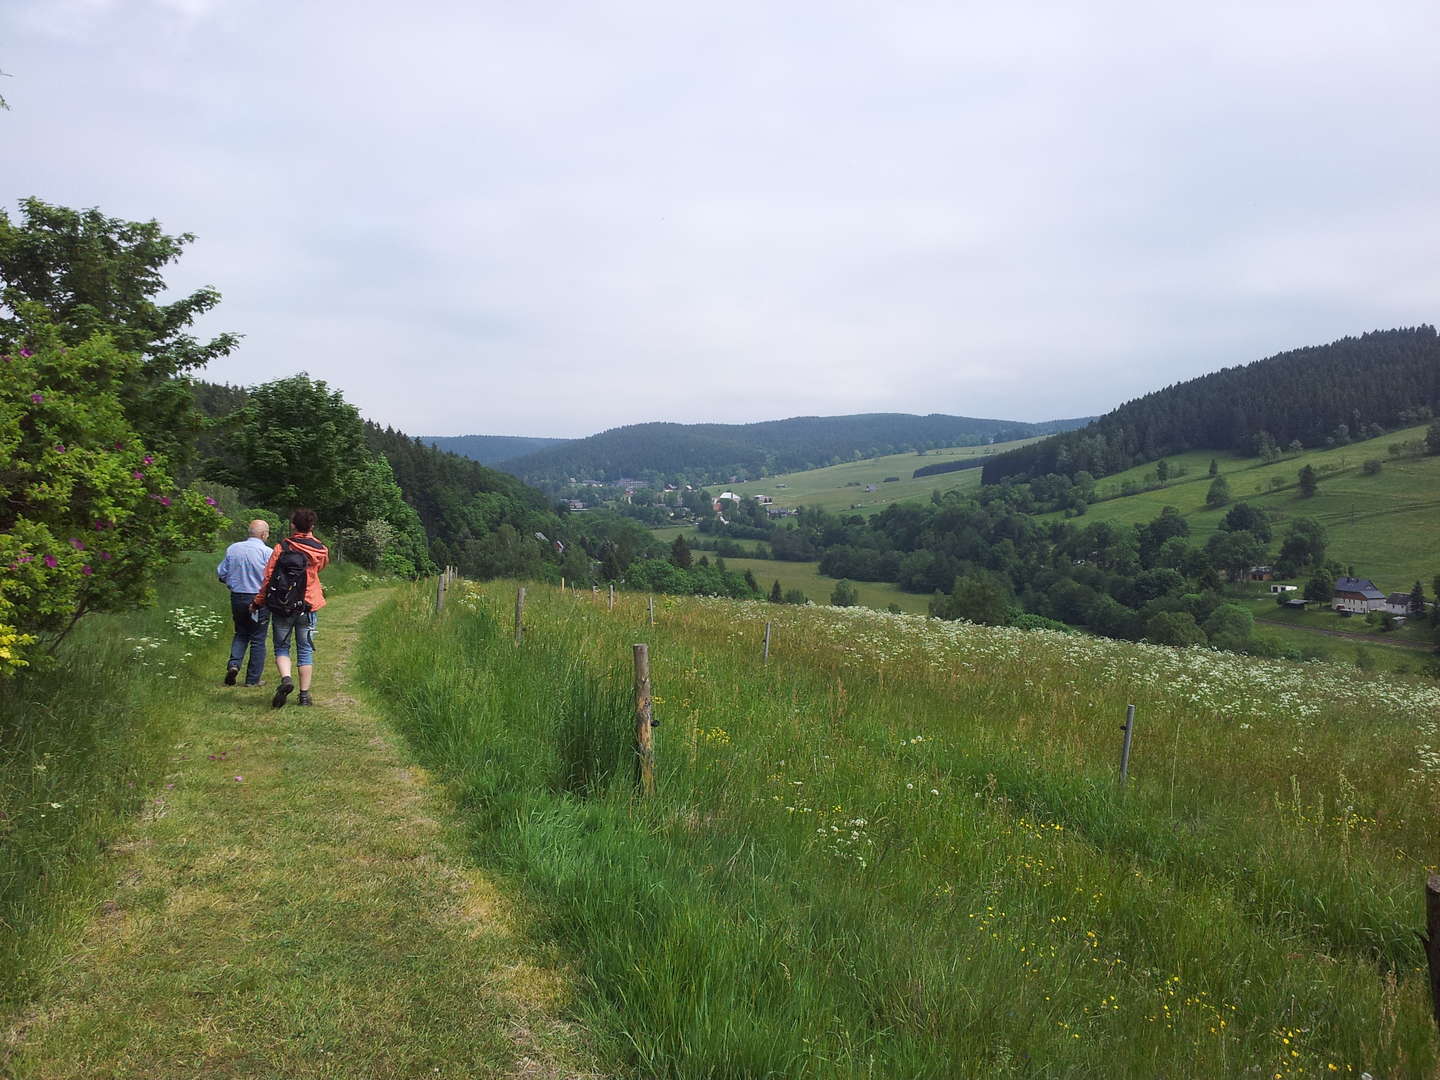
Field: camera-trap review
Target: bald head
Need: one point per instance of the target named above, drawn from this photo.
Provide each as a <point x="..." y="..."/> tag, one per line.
<point x="259" y="528"/>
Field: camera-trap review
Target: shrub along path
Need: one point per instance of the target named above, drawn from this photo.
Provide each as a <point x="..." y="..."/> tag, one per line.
<point x="292" y="905"/>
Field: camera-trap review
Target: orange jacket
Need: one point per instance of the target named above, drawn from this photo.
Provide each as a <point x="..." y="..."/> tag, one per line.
<point x="319" y="556"/>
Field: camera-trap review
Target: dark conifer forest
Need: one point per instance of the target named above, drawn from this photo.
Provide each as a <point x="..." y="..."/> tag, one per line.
<point x="1317" y="396"/>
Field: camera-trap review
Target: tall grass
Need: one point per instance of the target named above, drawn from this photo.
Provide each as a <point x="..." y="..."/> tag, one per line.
<point x="900" y="850"/>
<point x="84" y="747"/>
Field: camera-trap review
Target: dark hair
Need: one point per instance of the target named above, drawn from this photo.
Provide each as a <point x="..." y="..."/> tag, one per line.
<point x="303" y="520"/>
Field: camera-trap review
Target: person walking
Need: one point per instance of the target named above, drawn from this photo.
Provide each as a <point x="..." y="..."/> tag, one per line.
<point x="242" y="570"/>
<point x="291" y="591"/>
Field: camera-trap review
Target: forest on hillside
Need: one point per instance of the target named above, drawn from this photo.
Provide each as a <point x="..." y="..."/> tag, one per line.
<point x="704" y="453"/>
<point x="490" y="449"/>
<point x="1324" y="395"/>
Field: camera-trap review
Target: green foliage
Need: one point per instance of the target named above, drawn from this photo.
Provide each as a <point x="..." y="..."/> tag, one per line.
<point x="1321" y="586"/>
<point x="1174" y="628"/>
<point x="1432" y="438"/>
<point x="297" y="443"/>
<point x="844" y="594"/>
<point x="1372" y="466"/>
<point x="1230" y="627"/>
<point x="776" y="595"/>
<point x="89" y="517"/>
<point x="680" y="554"/>
<point x="94" y="274"/>
<point x="975" y="598"/>
<point x="1219" y="493"/>
<point x="796" y="596"/>
<point x="1309" y="482"/>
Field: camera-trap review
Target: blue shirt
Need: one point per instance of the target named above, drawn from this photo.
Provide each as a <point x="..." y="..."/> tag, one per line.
<point x="243" y="568"/>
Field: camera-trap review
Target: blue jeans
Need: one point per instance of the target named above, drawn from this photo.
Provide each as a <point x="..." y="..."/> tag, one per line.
<point x="302" y="627"/>
<point x="249" y="634"/>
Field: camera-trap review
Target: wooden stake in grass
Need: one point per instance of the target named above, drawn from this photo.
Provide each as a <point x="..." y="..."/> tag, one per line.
<point x="611" y="605"/>
<point x="520" y="615"/>
<point x="644" y="721"/>
<point x="652" y="610"/>
<point x="765" y="653"/>
<point x="439" y="594"/>
<point x="1431" y="940"/>
<point x="1129" y="729"/>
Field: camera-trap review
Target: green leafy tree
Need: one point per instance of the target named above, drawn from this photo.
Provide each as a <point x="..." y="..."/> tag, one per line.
<point x="1304" y="544"/>
<point x="1174" y="628"/>
<point x="844" y="594"/>
<point x="750" y="582"/>
<point x="680" y="553"/>
<point x="796" y="596"/>
<point x="976" y="598"/>
<point x="1162" y="470"/>
<point x="1432" y="438"/>
<point x="776" y="595"/>
<point x="1235" y="552"/>
<point x="1321" y="586"/>
<point x="90" y="517"/>
<point x="97" y="274"/>
<point x="1309" y="482"/>
<point x="1214" y="467"/>
<point x="1230" y="627"/>
<point x="1219" y="493"/>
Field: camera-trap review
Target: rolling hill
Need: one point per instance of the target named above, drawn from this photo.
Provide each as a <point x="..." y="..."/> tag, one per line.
<point x="490" y="449"/>
<point x="707" y="452"/>
<point x="1315" y="397"/>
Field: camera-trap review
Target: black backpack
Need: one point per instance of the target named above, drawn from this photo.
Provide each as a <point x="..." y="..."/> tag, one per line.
<point x="286" y="595"/>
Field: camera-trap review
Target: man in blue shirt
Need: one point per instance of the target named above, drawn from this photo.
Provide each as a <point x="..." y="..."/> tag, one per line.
<point x="242" y="570"/>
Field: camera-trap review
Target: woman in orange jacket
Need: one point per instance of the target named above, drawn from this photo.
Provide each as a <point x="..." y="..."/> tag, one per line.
<point x="293" y="594"/>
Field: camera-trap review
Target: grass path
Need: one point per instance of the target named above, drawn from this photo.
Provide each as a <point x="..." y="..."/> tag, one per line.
<point x="292" y="904"/>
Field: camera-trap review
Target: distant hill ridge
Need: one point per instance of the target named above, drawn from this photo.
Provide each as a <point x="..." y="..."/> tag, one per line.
<point x="490" y="449"/>
<point x="705" y="452"/>
<point x="1318" y="396"/>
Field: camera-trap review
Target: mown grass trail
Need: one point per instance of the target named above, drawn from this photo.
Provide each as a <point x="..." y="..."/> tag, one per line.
<point x="292" y="905"/>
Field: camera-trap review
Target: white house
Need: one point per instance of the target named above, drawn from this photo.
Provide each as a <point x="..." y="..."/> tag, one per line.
<point x="1283" y="588"/>
<point x="1357" y="595"/>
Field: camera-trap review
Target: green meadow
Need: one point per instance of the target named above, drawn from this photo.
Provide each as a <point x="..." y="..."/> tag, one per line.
<point x="900" y="849"/>
<point x="1387" y="524"/>
<point x="806" y="577"/>
<point x="842" y="487"/>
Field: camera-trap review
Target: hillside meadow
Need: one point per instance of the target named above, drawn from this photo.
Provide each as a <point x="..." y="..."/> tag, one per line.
<point x="901" y="850"/>
<point x="1386" y="524"/>
<point x="839" y="487"/>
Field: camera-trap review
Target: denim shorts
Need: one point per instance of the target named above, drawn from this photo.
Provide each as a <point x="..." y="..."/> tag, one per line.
<point x="303" y="627"/>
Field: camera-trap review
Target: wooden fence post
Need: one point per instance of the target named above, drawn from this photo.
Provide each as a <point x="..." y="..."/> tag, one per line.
<point x="562" y="584"/>
<point x="439" y="594"/>
<point x="765" y="655"/>
<point x="611" y="605"/>
<point x="644" y="746"/>
<point x="652" y="610"/>
<point x="1129" y="729"/>
<point x="520" y="615"/>
<point x="1431" y="940"/>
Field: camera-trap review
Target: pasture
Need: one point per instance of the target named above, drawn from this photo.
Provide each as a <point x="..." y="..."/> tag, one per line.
<point x="900" y="849"/>
<point x="840" y="487"/>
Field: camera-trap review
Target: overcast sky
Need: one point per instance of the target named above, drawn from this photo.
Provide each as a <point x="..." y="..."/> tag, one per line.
<point x="552" y="218"/>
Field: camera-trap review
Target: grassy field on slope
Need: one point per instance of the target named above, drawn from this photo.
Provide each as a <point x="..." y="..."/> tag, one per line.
<point x="1387" y="525"/>
<point x="839" y="487"/>
<point x="899" y="850"/>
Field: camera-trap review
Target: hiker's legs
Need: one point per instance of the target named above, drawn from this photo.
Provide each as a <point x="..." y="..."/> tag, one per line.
<point x="256" y="667"/>
<point x="305" y="647"/>
<point x="284" y="630"/>
<point x="240" y="616"/>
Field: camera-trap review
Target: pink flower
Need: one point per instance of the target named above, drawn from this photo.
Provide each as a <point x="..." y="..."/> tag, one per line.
<point x="209" y="501"/>
<point x="59" y="448"/>
<point x="137" y="476"/>
<point x="105" y="556"/>
<point x="27" y="558"/>
<point x="51" y="561"/>
<point x="164" y="500"/>
<point x="7" y="359"/>
<point x="37" y="398"/>
<point x="148" y="459"/>
<point x="239" y="779"/>
<point x="86" y="570"/>
<point x="119" y="446"/>
<point x="78" y="545"/>
<point x="99" y="526"/>
<point x="25" y="354"/>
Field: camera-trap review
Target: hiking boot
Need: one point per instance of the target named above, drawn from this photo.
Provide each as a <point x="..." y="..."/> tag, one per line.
<point x="231" y="674"/>
<point x="305" y="698"/>
<point x="282" y="692"/>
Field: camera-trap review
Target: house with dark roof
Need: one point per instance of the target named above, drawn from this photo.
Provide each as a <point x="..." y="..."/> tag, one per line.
<point x="1357" y="595"/>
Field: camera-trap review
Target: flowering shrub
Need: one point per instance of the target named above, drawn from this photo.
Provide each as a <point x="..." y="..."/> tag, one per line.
<point x="88" y="516"/>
